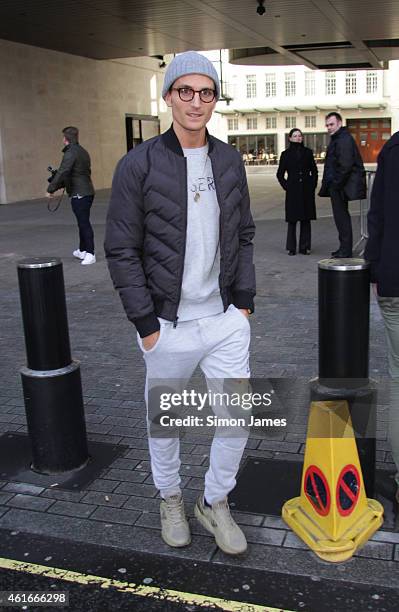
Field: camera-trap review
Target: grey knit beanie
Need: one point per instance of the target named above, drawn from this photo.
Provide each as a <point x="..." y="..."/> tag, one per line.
<point x="190" y="62"/>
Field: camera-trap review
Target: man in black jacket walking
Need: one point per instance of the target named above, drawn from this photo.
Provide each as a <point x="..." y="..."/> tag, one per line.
<point x="344" y="179"/>
<point x="74" y="174"/>
<point x="179" y="247"/>
<point x="382" y="251"/>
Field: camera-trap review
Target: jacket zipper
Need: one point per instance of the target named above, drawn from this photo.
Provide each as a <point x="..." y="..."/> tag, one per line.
<point x="220" y="235"/>
<point x="184" y="243"/>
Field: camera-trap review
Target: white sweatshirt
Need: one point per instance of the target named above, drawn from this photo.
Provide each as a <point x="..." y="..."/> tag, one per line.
<point x="200" y="296"/>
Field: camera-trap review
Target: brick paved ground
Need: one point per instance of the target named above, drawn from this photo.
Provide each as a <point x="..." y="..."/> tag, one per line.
<point x="120" y="508"/>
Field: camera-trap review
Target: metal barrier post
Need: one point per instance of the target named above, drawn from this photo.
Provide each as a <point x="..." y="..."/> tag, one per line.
<point x="51" y="381"/>
<point x="344" y="302"/>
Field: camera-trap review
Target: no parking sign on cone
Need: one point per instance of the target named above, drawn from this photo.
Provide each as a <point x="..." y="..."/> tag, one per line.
<point x="348" y="490"/>
<point x="332" y="515"/>
<point x="317" y="490"/>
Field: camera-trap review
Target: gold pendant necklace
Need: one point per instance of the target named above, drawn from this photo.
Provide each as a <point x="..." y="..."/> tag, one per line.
<point x="197" y="195"/>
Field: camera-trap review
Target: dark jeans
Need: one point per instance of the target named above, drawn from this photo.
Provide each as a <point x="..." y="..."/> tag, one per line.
<point x="342" y="220"/>
<point x="305" y="236"/>
<point x="81" y="208"/>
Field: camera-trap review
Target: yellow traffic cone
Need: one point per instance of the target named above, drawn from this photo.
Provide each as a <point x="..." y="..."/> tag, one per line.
<point x="332" y="516"/>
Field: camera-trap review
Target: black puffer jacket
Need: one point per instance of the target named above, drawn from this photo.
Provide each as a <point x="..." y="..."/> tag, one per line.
<point x="343" y="168"/>
<point x="74" y="172"/>
<point x="145" y="236"/>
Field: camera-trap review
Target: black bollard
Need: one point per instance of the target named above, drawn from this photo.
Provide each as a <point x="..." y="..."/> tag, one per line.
<point x="344" y="306"/>
<point x="51" y="383"/>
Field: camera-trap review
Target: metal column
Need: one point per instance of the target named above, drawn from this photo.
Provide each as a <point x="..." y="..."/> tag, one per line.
<point x="51" y="381"/>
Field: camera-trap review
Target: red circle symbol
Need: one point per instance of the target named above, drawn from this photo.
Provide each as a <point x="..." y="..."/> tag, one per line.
<point x="348" y="490"/>
<point x="317" y="490"/>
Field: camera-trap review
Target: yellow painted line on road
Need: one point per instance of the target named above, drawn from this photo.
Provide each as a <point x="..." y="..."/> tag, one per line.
<point x="136" y="589"/>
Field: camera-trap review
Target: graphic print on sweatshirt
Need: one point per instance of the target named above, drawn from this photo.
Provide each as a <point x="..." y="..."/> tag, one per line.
<point x="200" y="295"/>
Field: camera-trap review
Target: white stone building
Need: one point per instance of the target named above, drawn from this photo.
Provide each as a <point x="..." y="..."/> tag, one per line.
<point x="266" y="102"/>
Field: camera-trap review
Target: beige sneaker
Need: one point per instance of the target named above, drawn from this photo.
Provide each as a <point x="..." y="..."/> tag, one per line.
<point x="219" y="521"/>
<point x="175" y="529"/>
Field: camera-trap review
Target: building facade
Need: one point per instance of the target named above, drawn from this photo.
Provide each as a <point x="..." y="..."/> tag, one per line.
<point x="264" y="103"/>
<point x="117" y="104"/>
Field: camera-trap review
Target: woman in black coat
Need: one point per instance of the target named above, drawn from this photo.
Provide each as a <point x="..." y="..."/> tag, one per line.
<point x="298" y="163"/>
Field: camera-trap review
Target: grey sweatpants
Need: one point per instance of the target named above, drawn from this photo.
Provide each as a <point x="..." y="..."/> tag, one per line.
<point x="219" y="344"/>
<point x="389" y="307"/>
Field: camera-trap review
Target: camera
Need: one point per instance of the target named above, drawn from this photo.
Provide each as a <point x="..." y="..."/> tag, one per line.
<point x="261" y="9"/>
<point x="53" y="172"/>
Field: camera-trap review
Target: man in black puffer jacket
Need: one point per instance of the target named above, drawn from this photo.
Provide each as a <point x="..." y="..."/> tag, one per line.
<point x="179" y="247"/>
<point x="344" y="179"/>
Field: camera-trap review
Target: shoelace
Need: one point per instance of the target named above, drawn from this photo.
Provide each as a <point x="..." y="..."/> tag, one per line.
<point x="223" y="512"/>
<point x="175" y="510"/>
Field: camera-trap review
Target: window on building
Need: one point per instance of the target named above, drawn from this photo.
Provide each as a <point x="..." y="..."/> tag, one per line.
<point x="290" y="121"/>
<point x="371" y="81"/>
<point x="290" y="84"/>
<point x="261" y="146"/>
<point x="350" y="82"/>
<point x="310" y="121"/>
<point x="270" y="85"/>
<point x="252" y="123"/>
<point x="232" y="124"/>
<point x="251" y="85"/>
<point x="271" y="123"/>
<point x="331" y="83"/>
<point x="310" y="83"/>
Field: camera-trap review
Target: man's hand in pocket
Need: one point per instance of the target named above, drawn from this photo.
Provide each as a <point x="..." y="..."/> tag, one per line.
<point x="150" y="341"/>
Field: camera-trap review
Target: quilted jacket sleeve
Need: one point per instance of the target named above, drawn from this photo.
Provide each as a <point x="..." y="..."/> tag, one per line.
<point x="375" y="220"/>
<point x="124" y="243"/>
<point x="244" y="287"/>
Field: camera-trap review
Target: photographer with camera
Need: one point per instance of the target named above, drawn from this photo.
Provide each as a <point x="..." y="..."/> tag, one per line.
<point x="74" y="174"/>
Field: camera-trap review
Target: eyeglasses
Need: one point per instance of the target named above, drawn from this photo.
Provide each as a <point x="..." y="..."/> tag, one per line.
<point x="186" y="94"/>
